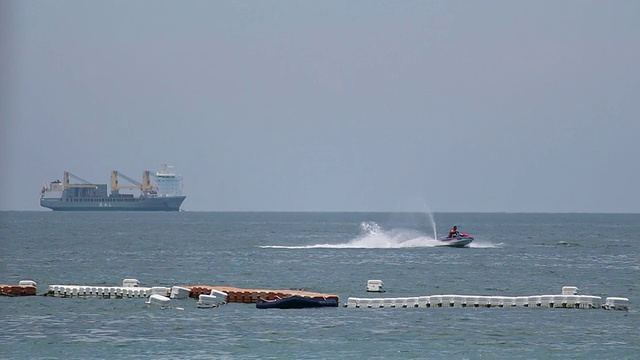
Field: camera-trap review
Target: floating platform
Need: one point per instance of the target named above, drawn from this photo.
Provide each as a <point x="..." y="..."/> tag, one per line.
<point x="24" y="288"/>
<point x="568" y="300"/>
<point x="250" y="296"/>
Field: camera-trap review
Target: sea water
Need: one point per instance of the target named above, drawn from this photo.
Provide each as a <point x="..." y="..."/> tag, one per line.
<point x="335" y="253"/>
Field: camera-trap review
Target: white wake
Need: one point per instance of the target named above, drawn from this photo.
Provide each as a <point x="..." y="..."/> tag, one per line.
<point x="372" y="236"/>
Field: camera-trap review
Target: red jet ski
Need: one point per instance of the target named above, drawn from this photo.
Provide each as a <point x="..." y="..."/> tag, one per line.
<point x="461" y="240"/>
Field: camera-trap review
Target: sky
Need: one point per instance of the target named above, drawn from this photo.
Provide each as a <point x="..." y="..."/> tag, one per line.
<point x="440" y="106"/>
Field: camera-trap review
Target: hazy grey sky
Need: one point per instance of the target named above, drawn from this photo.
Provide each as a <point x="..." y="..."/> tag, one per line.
<point x="517" y="106"/>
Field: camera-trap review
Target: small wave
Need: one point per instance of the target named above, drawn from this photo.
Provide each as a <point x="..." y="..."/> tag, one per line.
<point x="485" y="245"/>
<point x="565" y="243"/>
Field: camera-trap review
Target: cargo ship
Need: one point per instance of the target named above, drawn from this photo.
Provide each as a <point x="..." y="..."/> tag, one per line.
<point x="160" y="191"/>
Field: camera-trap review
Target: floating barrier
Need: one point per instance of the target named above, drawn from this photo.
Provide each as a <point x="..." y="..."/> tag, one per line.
<point x="24" y="288"/>
<point x="106" y="292"/>
<point x="569" y="300"/>
<point x="130" y="289"/>
<point x="214" y="296"/>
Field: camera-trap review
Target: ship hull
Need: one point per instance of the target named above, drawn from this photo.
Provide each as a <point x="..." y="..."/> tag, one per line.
<point x="169" y="203"/>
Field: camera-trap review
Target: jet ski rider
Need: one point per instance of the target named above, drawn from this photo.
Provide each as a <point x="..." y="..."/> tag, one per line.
<point x="453" y="232"/>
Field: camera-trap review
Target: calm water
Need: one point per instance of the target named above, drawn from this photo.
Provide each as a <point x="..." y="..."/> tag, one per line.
<point x="514" y="254"/>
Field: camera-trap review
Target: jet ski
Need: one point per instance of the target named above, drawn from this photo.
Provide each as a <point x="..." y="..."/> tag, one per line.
<point x="461" y="240"/>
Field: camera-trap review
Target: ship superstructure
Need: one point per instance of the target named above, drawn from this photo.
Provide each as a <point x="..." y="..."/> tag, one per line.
<point x="160" y="191"/>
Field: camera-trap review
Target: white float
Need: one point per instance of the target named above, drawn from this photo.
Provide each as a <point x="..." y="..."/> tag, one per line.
<point x="375" y="286"/>
<point x="159" y="301"/>
<point x="207" y="301"/>
<point x="27" y="283"/>
<point x="220" y="295"/>
<point x="616" y="303"/>
<point x="214" y="299"/>
<point x="160" y="290"/>
<point x="569" y="290"/>
<point x="130" y="283"/>
<point x="178" y="292"/>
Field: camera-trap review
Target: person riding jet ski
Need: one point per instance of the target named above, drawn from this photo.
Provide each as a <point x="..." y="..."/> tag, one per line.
<point x="453" y="232"/>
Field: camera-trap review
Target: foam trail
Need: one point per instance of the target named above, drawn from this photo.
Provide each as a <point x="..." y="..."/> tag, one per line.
<point x="374" y="237"/>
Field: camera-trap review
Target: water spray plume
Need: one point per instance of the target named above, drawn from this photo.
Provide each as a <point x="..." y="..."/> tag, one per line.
<point x="433" y="222"/>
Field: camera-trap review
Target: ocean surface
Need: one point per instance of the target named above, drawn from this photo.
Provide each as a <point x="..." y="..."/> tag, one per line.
<point x="336" y="253"/>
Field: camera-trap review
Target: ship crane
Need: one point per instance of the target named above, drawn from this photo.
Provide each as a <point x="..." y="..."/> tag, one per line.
<point x="84" y="183"/>
<point x="144" y="186"/>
